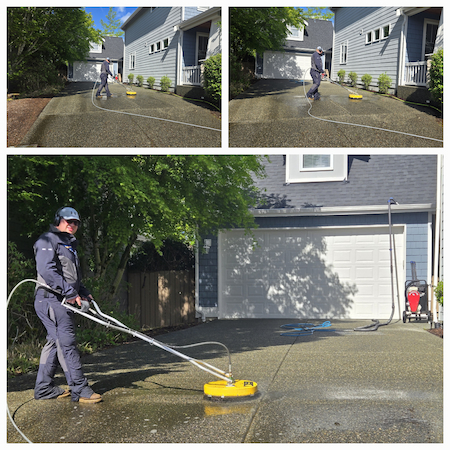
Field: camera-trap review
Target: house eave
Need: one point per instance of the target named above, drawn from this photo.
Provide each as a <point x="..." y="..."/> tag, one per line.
<point x="195" y="21"/>
<point x="131" y="18"/>
<point x="342" y="210"/>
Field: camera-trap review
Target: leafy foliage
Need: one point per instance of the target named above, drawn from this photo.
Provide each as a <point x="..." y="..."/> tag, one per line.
<point x="254" y="30"/>
<point x="165" y="83"/>
<point x="213" y="77"/>
<point x="437" y="76"/>
<point x="439" y="291"/>
<point x="353" y="78"/>
<point x="151" y="82"/>
<point x="140" y="80"/>
<point x="160" y="197"/>
<point x="42" y="40"/>
<point x="112" y="26"/>
<point x="384" y="81"/>
<point x="366" y="79"/>
<point x="341" y="75"/>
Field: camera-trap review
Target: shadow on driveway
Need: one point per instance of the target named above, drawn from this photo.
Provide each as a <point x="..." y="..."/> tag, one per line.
<point x="76" y="118"/>
<point x="276" y="113"/>
<point x="342" y="386"/>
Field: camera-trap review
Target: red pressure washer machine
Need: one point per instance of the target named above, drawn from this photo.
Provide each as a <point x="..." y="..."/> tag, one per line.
<point x="416" y="298"/>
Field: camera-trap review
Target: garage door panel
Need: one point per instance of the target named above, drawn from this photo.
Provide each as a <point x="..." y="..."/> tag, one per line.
<point x="287" y="66"/>
<point x="307" y="274"/>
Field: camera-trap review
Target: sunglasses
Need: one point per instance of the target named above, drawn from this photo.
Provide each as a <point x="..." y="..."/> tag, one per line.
<point x="73" y="222"/>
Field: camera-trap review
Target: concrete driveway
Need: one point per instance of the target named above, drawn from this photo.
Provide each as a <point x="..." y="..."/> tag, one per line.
<point x="274" y="113"/>
<point x="332" y="386"/>
<point x="72" y="120"/>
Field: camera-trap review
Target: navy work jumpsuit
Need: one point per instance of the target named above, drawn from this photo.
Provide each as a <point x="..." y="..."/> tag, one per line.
<point x="316" y="74"/>
<point x="104" y="79"/>
<point x="58" y="266"/>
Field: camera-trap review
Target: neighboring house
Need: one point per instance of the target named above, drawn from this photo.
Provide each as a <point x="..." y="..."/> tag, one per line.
<point x="323" y="249"/>
<point x="294" y="62"/>
<point x="89" y="70"/>
<point x="173" y="42"/>
<point x="392" y="40"/>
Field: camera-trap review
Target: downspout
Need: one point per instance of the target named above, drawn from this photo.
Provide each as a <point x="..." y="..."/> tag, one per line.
<point x="437" y="235"/>
<point x="401" y="62"/>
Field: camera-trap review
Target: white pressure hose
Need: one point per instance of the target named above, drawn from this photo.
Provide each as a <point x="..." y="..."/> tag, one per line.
<point x="148" y="117"/>
<point x="363" y="126"/>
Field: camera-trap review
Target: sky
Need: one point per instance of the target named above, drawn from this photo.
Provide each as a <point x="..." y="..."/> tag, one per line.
<point x="100" y="14"/>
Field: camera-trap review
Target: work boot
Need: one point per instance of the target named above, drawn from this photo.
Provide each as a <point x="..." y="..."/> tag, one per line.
<point x="94" y="398"/>
<point x="65" y="394"/>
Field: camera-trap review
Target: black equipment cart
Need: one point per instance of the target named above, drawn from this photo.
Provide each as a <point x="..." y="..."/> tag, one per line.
<point x="416" y="298"/>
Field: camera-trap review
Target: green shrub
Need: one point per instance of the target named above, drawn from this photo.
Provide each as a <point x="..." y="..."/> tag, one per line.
<point x="439" y="291"/>
<point x="353" y="78"/>
<point x="165" y="83"/>
<point x="366" y="79"/>
<point x="341" y="75"/>
<point x="130" y="78"/>
<point x="437" y="76"/>
<point x="384" y="81"/>
<point x="151" y="82"/>
<point x="140" y="80"/>
<point x="213" y="77"/>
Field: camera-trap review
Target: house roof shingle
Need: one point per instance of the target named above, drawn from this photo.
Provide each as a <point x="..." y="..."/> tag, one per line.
<point x="112" y="47"/>
<point x="317" y="32"/>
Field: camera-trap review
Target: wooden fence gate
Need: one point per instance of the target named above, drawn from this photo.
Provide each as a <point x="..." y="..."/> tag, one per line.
<point x="161" y="299"/>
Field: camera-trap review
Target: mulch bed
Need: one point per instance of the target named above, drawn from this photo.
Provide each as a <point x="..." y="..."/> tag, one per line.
<point x="437" y="332"/>
<point x="21" y="115"/>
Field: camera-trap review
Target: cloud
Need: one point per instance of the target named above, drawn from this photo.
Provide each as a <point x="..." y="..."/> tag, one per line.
<point x="125" y="17"/>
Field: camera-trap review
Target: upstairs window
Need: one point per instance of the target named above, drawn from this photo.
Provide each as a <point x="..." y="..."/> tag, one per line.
<point x="312" y="168"/>
<point x="385" y="31"/>
<point x="296" y="34"/>
<point x="96" y="48"/>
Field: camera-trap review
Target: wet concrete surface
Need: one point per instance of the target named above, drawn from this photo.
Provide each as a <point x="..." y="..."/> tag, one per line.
<point x="339" y="386"/>
<point x="274" y="113"/>
<point x="72" y="120"/>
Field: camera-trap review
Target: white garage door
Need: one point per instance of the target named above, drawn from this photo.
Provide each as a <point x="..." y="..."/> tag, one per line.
<point x="314" y="274"/>
<point x="290" y="66"/>
<point x="86" y="71"/>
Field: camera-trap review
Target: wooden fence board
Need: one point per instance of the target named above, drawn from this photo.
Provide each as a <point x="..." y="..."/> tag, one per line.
<point x="161" y="299"/>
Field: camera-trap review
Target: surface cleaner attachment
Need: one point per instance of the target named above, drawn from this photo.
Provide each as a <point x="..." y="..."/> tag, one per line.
<point x="236" y="388"/>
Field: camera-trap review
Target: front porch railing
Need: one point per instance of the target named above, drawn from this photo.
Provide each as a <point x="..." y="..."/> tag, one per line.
<point x="192" y="75"/>
<point x="416" y="73"/>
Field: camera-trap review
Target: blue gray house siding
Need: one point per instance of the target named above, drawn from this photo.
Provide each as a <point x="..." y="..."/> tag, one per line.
<point x="152" y="25"/>
<point x="372" y="180"/>
<point x="373" y="59"/>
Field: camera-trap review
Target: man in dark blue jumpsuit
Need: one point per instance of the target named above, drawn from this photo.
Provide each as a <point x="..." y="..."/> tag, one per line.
<point x="316" y="74"/>
<point x="104" y="78"/>
<point x="58" y="267"/>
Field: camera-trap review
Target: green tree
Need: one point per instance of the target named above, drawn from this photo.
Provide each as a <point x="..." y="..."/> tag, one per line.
<point x="119" y="198"/>
<point x="112" y="26"/>
<point x="41" y="40"/>
<point x="254" y="30"/>
<point x="318" y="13"/>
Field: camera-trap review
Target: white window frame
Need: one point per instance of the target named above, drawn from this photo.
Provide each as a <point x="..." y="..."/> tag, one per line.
<point x="382" y="34"/>
<point x="342" y="53"/>
<point x="158" y="46"/>
<point x="296" y="173"/>
<point x="197" y="39"/>
<point x="132" y="61"/>
<point x="96" y="48"/>
<point x="163" y="46"/>
<point x="424" y="33"/>
<point x="375" y="38"/>
<point x="369" y="37"/>
<point x="302" y="167"/>
<point x="301" y="34"/>
<point x="151" y="49"/>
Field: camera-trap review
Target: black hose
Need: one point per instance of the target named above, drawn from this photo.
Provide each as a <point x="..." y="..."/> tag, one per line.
<point x="377" y="324"/>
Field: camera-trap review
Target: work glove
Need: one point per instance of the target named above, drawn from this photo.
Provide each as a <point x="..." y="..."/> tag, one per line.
<point x="85" y="305"/>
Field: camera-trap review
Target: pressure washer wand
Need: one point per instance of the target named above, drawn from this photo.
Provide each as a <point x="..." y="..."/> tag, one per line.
<point x="116" y="325"/>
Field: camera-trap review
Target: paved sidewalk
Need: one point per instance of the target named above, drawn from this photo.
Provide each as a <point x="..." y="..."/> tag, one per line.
<point x="334" y="386"/>
<point x="274" y="113"/>
<point x="72" y="120"/>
